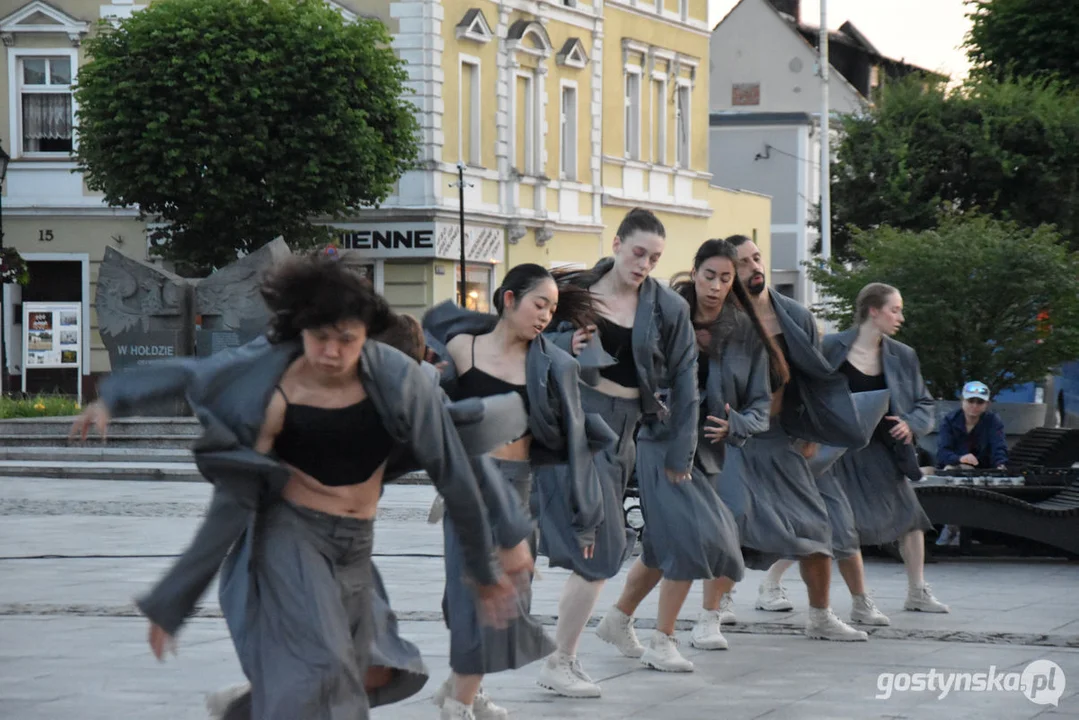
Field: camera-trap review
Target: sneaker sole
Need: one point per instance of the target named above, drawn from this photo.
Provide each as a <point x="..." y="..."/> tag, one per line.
<point x="708" y="647"/>
<point x="776" y="608"/>
<point x="655" y="666"/>
<point x="821" y="636"/>
<point x="872" y="623"/>
<point x="927" y="610"/>
<point x="583" y="695"/>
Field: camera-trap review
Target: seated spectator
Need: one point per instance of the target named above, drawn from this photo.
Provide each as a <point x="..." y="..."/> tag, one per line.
<point x="972" y="437"/>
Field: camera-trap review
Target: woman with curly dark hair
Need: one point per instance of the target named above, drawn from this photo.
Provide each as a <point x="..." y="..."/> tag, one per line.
<point x="299" y="425"/>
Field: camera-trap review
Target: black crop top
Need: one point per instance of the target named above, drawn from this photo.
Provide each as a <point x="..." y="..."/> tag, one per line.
<point x="476" y="383"/>
<point x="617" y="340"/>
<point x="860" y="382"/>
<point x="322" y="442"/>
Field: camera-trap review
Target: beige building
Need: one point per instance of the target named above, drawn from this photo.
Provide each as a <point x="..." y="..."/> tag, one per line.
<point x="564" y="115"/>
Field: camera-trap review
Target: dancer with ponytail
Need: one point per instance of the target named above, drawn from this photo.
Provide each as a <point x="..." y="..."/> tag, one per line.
<point x="639" y="360"/>
<point x="507" y="352"/>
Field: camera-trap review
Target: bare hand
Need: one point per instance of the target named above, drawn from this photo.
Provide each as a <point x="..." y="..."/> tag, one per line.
<point x="809" y="450"/>
<point x="95" y="415"/>
<point x="440" y="366"/>
<point x="901" y="431"/>
<point x="720" y="428"/>
<point x="517" y="559"/>
<point x="581" y="338"/>
<point x="677" y="477"/>
<point x="969" y="459"/>
<point x="498" y="602"/>
<point x="589" y="552"/>
<point x="161" y="642"/>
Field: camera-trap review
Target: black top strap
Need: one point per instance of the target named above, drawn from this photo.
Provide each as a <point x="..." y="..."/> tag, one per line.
<point x="281" y="390"/>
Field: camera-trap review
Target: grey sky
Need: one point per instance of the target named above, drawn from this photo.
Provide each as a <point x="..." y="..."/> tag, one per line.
<point x="927" y="33"/>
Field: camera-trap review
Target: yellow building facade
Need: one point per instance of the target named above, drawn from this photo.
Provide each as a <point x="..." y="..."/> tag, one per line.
<point x="564" y="116"/>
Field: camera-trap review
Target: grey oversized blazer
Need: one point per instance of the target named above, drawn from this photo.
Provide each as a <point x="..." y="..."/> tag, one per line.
<point x="820" y="409"/>
<point x="229" y="393"/>
<point x="910" y="398"/>
<point x="665" y="352"/>
<point x="738" y="375"/>
<point x="562" y="432"/>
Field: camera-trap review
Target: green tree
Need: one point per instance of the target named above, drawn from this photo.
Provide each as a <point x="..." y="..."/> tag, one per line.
<point x="237" y="121"/>
<point x="974" y="293"/>
<point x="1010" y="150"/>
<point x="1024" y="38"/>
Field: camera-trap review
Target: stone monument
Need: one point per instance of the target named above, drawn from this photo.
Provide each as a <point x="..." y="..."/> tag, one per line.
<point x="229" y="310"/>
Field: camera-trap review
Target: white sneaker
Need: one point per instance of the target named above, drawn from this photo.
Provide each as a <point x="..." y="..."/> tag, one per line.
<point x="922" y="599"/>
<point x="662" y="654"/>
<point x="708" y="633"/>
<point x="864" y="611"/>
<point x="616" y="628"/>
<point x="824" y="625"/>
<point x="558" y="675"/>
<point x="773" y="598"/>
<point x="453" y="710"/>
<point x="726" y="610"/>
<point x="482" y="707"/>
<point x="217" y="703"/>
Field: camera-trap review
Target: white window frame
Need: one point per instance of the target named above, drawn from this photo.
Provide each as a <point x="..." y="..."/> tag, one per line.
<point x="568" y="165"/>
<point x="683" y="118"/>
<point x="683" y="10"/>
<point x="532" y="121"/>
<point x="659" y="155"/>
<point x="474" y="104"/>
<point x="15" y="77"/>
<point x="632" y="139"/>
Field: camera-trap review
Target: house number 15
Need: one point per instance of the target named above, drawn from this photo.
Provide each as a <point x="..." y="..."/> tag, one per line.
<point x="44" y="236"/>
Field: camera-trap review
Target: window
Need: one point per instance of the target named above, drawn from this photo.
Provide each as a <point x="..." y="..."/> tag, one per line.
<point x="568" y="133"/>
<point x="659" y="122"/>
<point x="526" y="126"/>
<point x="468" y="113"/>
<point x="45" y="113"/>
<point x="633" y="115"/>
<point x="682" y="120"/>
<point x="477" y="286"/>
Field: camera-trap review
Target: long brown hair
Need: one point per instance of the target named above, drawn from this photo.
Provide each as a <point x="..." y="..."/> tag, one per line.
<point x="682" y="283"/>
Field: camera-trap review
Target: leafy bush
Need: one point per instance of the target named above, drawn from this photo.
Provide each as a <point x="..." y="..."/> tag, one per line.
<point x="38" y="406"/>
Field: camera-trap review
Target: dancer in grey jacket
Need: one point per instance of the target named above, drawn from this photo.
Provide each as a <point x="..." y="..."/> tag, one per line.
<point x="279" y="416"/>
<point x="650" y="375"/>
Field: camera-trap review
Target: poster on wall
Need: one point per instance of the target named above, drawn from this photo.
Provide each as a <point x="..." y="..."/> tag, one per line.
<point x="52" y="337"/>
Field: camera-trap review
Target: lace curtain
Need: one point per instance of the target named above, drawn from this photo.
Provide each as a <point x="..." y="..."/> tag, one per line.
<point x="45" y="116"/>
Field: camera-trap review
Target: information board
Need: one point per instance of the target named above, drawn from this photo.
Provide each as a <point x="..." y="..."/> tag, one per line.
<point x="52" y="338"/>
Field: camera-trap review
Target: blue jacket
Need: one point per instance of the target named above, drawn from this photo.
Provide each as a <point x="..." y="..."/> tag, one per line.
<point x="985" y="441"/>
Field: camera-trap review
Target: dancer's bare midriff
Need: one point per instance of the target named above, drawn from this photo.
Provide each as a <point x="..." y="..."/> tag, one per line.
<point x="355" y="501"/>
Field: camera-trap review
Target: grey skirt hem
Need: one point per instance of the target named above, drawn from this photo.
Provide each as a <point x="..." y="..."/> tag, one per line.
<point x="477" y="649"/>
<point x="689" y="533"/>
<point x="554" y="504"/>
<point x="770" y="489"/>
<point x="883" y="502"/>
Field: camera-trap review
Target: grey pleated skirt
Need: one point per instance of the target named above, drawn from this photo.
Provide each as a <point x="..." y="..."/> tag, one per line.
<point x="476" y="649"/>
<point x="770" y="489"/>
<point x="553" y="502"/>
<point x="845" y="542"/>
<point x="884" y="504"/>
<point x="297" y="597"/>
<point x="689" y="533"/>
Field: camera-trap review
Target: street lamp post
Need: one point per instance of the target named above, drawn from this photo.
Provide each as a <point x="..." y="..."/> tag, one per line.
<point x="461" y="185"/>
<point x="4" y="160"/>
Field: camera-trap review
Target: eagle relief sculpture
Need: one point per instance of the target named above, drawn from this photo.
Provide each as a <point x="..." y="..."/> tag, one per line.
<point x="134" y="294"/>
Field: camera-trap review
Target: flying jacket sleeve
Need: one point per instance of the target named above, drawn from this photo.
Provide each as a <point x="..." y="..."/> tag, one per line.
<point x="124" y="391"/>
<point x="428" y="429"/>
<point x="173" y="598"/>
<point x="684" y="401"/>
<point x="753" y="417"/>
<point x="585" y="491"/>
